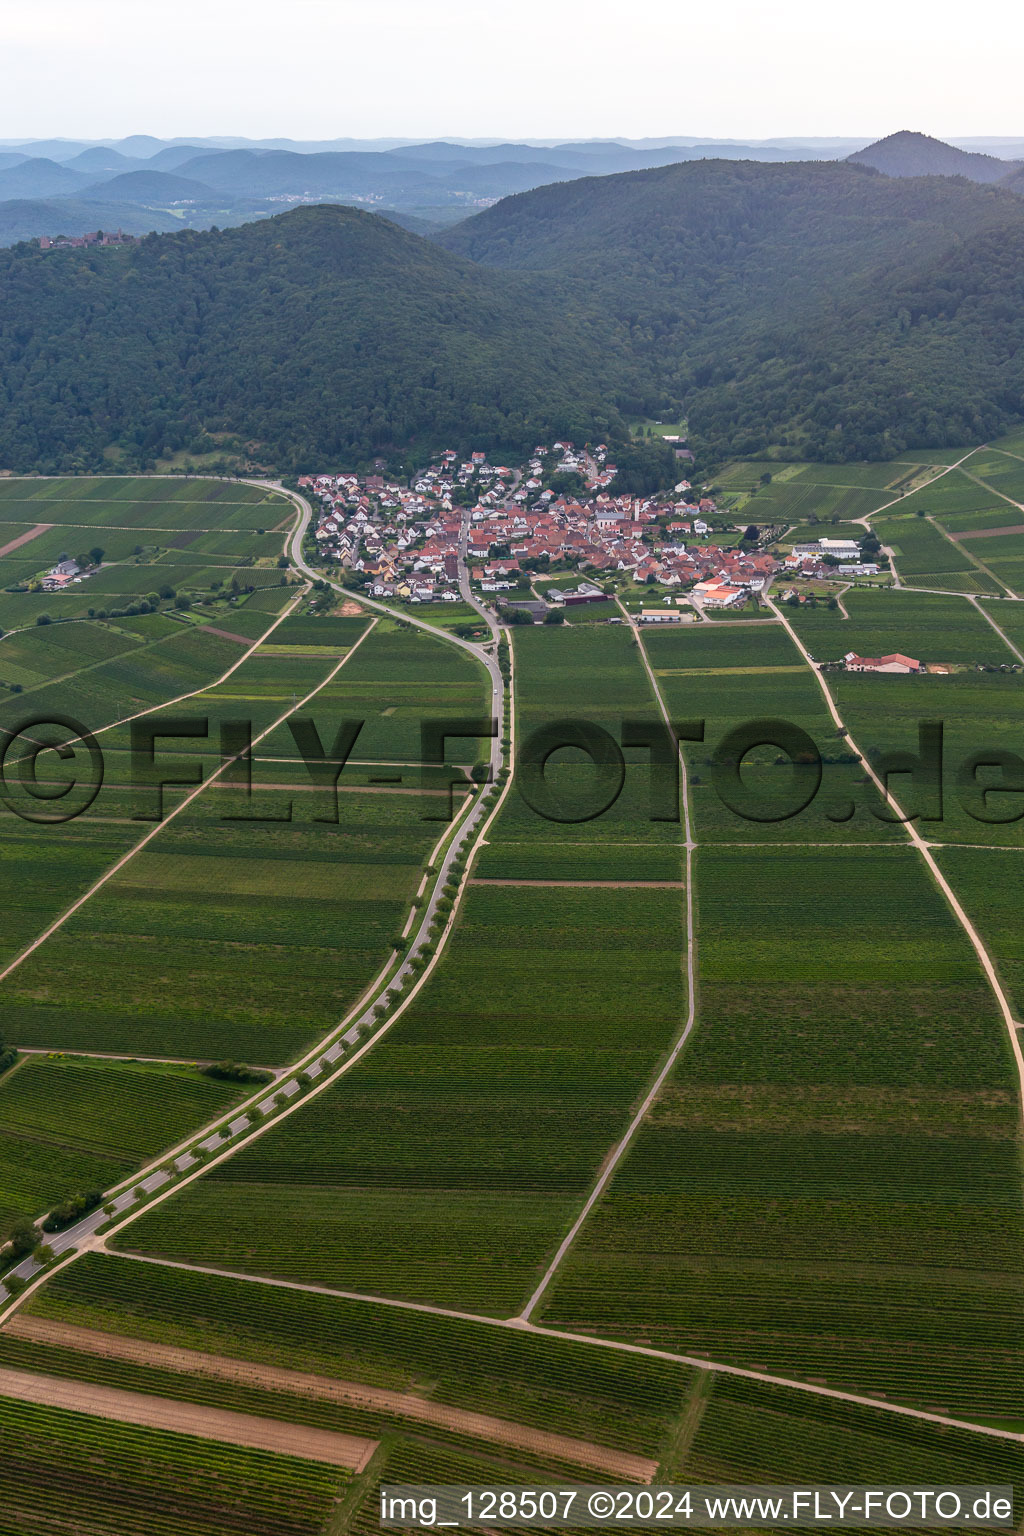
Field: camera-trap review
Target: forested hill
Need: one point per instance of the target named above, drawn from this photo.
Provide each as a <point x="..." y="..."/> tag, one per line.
<point x="823" y="307"/>
<point x="324" y="335"/>
<point x="916" y="154"/>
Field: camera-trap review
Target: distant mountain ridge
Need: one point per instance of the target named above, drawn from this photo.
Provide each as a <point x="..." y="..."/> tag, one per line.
<point x="436" y="183"/>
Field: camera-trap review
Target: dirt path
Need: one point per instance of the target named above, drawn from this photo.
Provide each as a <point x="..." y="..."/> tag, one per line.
<point x="975" y="560"/>
<point x="404" y="1405"/>
<point x="25" y="538"/>
<point x="226" y="634"/>
<point x="925" y="850"/>
<point x="590" y="1340"/>
<point x="973" y="533"/>
<point x="225" y="764"/>
<point x="618" y="1152"/>
<point x="351" y="1451"/>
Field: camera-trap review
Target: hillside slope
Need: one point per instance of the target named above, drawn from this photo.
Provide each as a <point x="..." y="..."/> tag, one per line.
<point x="24" y="218"/>
<point x="820" y="307"/>
<point x="323" y="335"/>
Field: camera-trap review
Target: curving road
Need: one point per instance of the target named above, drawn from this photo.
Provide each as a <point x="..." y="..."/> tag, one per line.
<point x="329" y="1058"/>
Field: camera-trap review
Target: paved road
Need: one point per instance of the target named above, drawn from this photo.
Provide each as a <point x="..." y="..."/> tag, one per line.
<point x="482" y="653"/>
<point x="328" y="1055"/>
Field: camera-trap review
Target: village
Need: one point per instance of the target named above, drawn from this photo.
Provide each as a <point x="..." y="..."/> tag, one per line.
<point x="519" y="525"/>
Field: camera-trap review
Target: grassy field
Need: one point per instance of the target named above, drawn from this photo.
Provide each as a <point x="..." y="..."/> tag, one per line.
<point x="70" y="1124"/>
<point x="829" y="1186"/>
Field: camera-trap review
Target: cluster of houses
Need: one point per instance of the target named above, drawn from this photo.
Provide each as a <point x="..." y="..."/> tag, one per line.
<point x="76" y="242"/>
<point x="406" y="541"/>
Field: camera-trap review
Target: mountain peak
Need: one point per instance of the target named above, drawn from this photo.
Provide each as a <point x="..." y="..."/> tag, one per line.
<point x="917" y="154"/>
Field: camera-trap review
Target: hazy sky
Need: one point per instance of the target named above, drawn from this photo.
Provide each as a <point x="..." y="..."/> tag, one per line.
<point x="532" y="68"/>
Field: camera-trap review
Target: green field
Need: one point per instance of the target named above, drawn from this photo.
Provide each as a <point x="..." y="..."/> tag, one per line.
<point x="565" y="1387"/>
<point x="563" y="839"/>
<point x="920" y="624"/>
<point x="732" y="678"/>
<point x="470" y="1139"/>
<point x="71" y="1471"/>
<point x="829" y="1186"/>
<point x="69" y="1124"/>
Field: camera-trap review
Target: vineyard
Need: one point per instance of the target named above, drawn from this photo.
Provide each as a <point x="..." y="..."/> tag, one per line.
<point x="470" y="1140"/>
<point x="624" y="842"/>
<point x="921" y="624"/>
<point x="69" y="1124"/>
<point x="552" y="1384"/>
<point x="978" y="712"/>
<point x="701" y="679"/>
<point x="73" y="1471"/>
<point x="829" y="1187"/>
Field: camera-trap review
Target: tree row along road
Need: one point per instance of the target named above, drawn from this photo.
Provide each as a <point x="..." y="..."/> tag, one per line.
<point x="322" y="1062"/>
<point x="326" y="1061"/>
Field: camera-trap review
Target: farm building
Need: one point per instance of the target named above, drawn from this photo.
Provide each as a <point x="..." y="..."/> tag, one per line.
<point x="893" y="663"/>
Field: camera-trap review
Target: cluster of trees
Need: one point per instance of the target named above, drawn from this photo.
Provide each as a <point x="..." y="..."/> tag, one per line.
<point x="235" y="1072"/>
<point x="71" y="1209"/>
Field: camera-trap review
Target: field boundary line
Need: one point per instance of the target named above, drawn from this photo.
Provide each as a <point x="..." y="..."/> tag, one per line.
<point x="225" y="1426"/>
<point x="594" y="1340"/>
<point x="329" y="1079"/>
<point x="975" y="560"/>
<point x="377" y="987"/>
<point x="924" y="848"/>
<point x="149" y="644"/>
<point x="182" y="805"/>
<point x="404" y="1404"/>
<point x="998" y="628"/>
<point x="621" y="1147"/>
